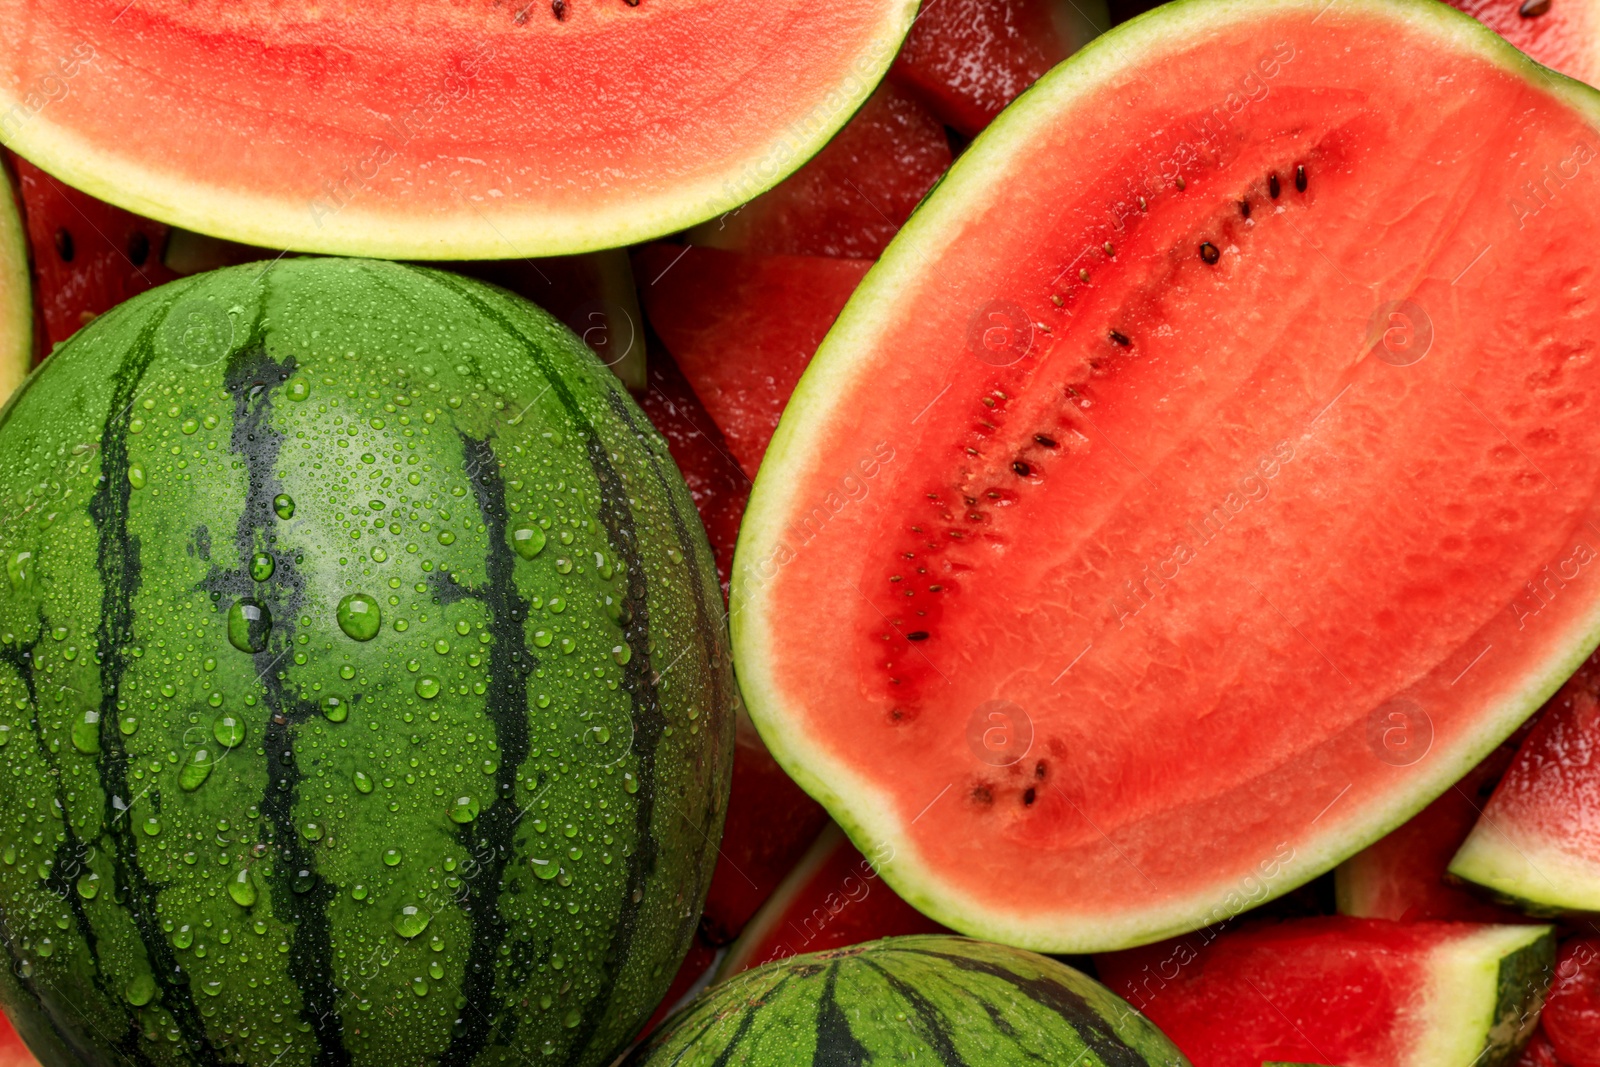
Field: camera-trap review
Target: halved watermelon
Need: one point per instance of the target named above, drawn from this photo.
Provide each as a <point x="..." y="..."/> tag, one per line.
<point x="1155" y="527"/>
<point x="853" y="196"/>
<point x="968" y="59"/>
<point x="16" y="294"/>
<point x="432" y="129"/>
<point x="1354" y="992"/>
<point x="1538" y="839"/>
<point x="1562" y="34"/>
<point x="833" y="898"/>
<point x="1571" y="1020"/>
<point x="743" y="328"/>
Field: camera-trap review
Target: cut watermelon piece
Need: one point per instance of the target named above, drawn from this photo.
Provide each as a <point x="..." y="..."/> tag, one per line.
<point x="1562" y="34"/>
<point x="16" y="292"/>
<point x="832" y="899"/>
<point x="854" y="196"/>
<point x="743" y="327"/>
<point x="1538" y="839"/>
<point x="968" y="59"/>
<point x="1538" y="1052"/>
<point x="771" y="822"/>
<point x="460" y="131"/>
<point x="1176" y="586"/>
<point x="88" y="256"/>
<point x="1404" y="877"/>
<point x="1356" y="992"/>
<point x="1571" y="1019"/>
<point x="716" y="483"/>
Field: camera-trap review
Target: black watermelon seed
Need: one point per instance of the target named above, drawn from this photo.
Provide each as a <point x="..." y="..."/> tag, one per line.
<point x="1028" y="796"/>
<point x="1041" y="439"/>
<point x="1021" y="468"/>
<point x="917" y="635"/>
<point x="1119" y="338"/>
<point x="1181" y="184"/>
<point x="138" y="248"/>
<point x="560" y="9"/>
<point x="1110" y="249"/>
<point x="1272" y="186"/>
<point x="1142" y="205"/>
<point x="1244" y="208"/>
<point x="1300" y="179"/>
<point x="1209" y="252"/>
<point x="1532" y="9"/>
<point x="1083" y="274"/>
<point x="64" y="245"/>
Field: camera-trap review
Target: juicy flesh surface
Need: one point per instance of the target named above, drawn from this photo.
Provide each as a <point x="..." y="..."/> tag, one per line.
<point x="427" y="108"/>
<point x="1253" y="590"/>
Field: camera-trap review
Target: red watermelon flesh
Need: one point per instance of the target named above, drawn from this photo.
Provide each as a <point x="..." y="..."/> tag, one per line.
<point x="1403" y="875"/>
<point x="771" y="821"/>
<point x="1562" y="34"/>
<point x="853" y="196"/>
<point x="1571" y="1019"/>
<point x="88" y="256"/>
<point x="968" y="59"/>
<point x="693" y="974"/>
<point x="1540" y="1053"/>
<point x="743" y="328"/>
<point x="717" y="485"/>
<point x="832" y="899"/>
<point x="1337" y="990"/>
<point x="13" y="1053"/>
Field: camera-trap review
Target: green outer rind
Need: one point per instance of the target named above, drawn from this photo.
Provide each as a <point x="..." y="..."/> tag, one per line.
<point x="16" y="291"/>
<point x="495" y="402"/>
<point x="475" y="233"/>
<point x="843" y="364"/>
<point x="1483" y="996"/>
<point x="924" y="998"/>
<point x="1539" y="879"/>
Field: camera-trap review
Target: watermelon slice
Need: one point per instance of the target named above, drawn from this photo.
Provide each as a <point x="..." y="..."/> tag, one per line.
<point x="1538" y="1052"/>
<point x="968" y="59"/>
<point x="1562" y="34"/>
<point x="743" y="327"/>
<point x="853" y="196"/>
<point x="832" y="899"/>
<point x="1167" y="555"/>
<point x="16" y="294"/>
<point x="88" y="256"/>
<point x="1571" y="1020"/>
<point x="1538" y="839"/>
<point x="1356" y="992"/>
<point x="1404" y="875"/>
<point x="430" y="129"/>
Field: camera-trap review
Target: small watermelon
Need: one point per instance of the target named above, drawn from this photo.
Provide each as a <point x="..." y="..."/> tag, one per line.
<point x="1571" y="1020"/>
<point x="362" y="639"/>
<point x="833" y="898"/>
<point x="1364" y="992"/>
<point x="1537" y="841"/>
<point x="853" y="196"/>
<point x="929" y="998"/>
<point x="16" y="292"/>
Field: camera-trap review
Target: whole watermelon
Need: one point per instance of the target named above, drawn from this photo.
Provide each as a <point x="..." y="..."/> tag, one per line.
<point x="364" y="691"/>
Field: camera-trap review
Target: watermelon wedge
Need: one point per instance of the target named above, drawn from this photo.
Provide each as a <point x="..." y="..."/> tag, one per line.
<point x="1562" y="34"/>
<point x="743" y="328"/>
<point x="1124" y="559"/>
<point x="1571" y="1019"/>
<point x="832" y="899"/>
<point x="853" y="196"/>
<point x="1538" y="839"/>
<point x="430" y="129"/>
<point x="968" y="59"/>
<point x="16" y="293"/>
<point x="1352" y="992"/>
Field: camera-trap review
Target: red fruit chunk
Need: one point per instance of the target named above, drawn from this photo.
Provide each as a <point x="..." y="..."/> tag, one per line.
<point x="1539" y="1053"/>
<point x="853" y="196"/>
<point x="743" y="328"/>
<point x="1571" y="1017"/>
<point x="968" y="59"/>
<point x="88" y="256"/>
<point x="13" y="1053"/>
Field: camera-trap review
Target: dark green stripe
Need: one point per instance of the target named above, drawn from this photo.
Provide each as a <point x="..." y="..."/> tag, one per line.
<point x="931" y="1019"/>
<point x="836" y="1045"/>
<point x="489" y="838"/>
<point x="119" y="569"/>
<point x="251" y="377"/>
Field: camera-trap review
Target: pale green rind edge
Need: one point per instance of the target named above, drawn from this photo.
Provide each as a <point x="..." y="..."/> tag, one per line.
<point x="475" y="232"/>
<point x="1537" y="875"/>
<point x="16" y="291"/>
<point x="845" y="358"/>
<point x="1483" y="996"/>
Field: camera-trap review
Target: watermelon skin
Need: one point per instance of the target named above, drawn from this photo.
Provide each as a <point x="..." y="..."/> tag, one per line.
<point x="743" y="328"/>
<point x="16" y="291"/>
<point x="853" y="196"/>
<point x="932" y="998"/>
<point x="177" y="896"/>
<point x="1571" y="1019"/>
<point x="1360" y="992"/>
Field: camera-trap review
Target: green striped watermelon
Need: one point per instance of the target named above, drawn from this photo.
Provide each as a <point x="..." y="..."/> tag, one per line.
<point x="364" y="661"/>
<point x="928" y="998"/>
